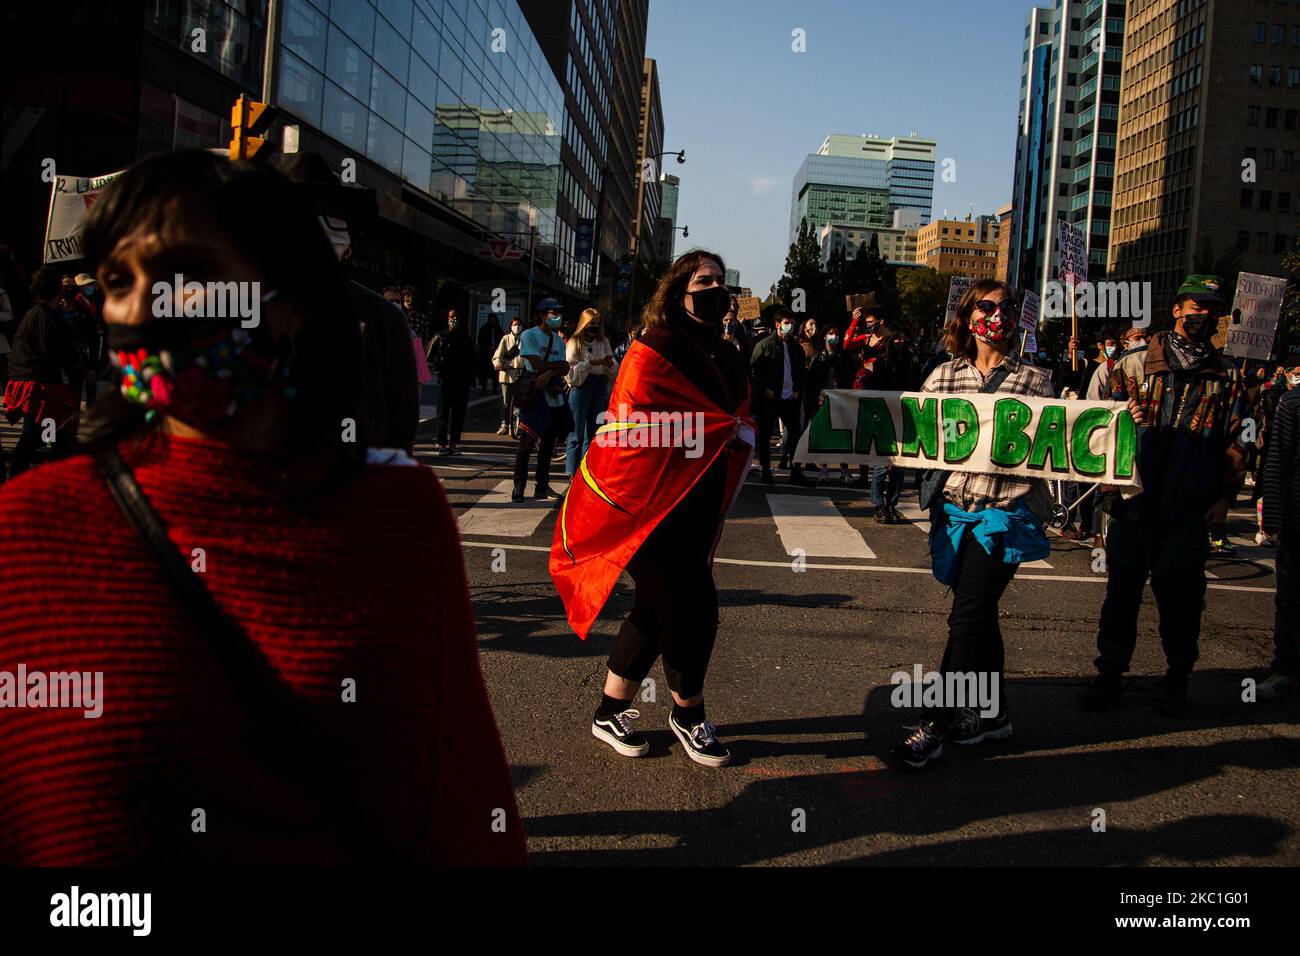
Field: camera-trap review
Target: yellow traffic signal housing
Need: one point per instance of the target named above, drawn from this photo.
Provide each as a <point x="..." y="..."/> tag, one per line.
<point x="248" y="120"/>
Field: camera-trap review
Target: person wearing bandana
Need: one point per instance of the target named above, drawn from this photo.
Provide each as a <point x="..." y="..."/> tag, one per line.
<point x="982" y="526"/>
<point x="1189" y="404"/>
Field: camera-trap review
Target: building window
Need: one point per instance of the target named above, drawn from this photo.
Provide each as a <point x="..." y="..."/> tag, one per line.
<point x="1274" y="76"/>
<point x="1288" y="160"/>
<point x="1283" y="202"/>
<point x="1290" y="119"/>
<point x="1293" y="77"/>
<point x="1279" y="244"/>
<point x="1261" y="242"/>
<point x="1266" y="201"/>
<point x="1243" y="240"/>
<point x="1270" y="118"/>
<point x="1279" y="33"/>
<point x="1252" y="116"/>
<point x="1261" y="31"/>
<point x="1269" y="155"/>
<point x="1247" y="198"/>
<point x="1257" y="73"/>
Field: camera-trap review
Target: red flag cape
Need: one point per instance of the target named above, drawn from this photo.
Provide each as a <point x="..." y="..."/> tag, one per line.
<point x="635" y="472"/>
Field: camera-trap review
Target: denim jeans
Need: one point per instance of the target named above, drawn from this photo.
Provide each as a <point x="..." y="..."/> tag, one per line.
<point x="585" y="403"/>
<point x="886" y="485"/>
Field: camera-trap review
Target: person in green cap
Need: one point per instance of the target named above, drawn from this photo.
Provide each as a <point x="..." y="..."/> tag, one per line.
<point x="1189" y="404"/>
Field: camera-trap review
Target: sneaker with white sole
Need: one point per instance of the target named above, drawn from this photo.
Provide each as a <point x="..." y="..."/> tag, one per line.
<point x="971" y="728"/>
<point x="923" y="745"/>
<point x="1276" y="686"/>
<point x="701" y="743"/>
<point x="617" y="731"/>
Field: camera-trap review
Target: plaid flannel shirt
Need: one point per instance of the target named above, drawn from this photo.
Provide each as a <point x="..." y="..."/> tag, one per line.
<point x="972" y="491"/>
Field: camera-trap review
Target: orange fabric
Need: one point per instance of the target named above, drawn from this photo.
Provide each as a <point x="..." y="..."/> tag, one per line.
<point x="621" y="492"/>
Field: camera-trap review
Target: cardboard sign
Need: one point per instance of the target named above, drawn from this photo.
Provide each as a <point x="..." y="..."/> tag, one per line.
<point x="956" y="289"/>
<point x="859" y="300"/>
<point x="1029" y="312"/>
<point x="1221" y="336"/>
<point x="1072" y="254"/>
<point x="1255" y="311"/>
<point x="70" y="200"/>
<point x="750" y="308"/>
<point x="1017" y="435"/>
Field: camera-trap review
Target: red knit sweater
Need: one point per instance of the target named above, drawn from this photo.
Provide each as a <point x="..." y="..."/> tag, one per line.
<point x="366" y="582"/>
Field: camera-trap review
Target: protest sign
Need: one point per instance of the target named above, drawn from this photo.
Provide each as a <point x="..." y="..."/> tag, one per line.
<point x="1255" y="311"/>
<point x="1031" y="343"/>
<point x="861" y="300"/>
<point x="750" y="308"/>
<point x="976" y="432"/>
<point x="1072" y="254"/>
<point x="1029" y="312"/>
<point x="70" y="200"/>
<point x="956" y="289"/>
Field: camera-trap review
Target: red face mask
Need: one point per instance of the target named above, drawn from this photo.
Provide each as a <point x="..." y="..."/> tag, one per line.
<point x="992" y="329"/>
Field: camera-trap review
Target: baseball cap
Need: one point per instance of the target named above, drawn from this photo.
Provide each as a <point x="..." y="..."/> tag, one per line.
<point x="85" y="278"/>
<point x="546" y="305"/>
<point x="1204" y="289"/>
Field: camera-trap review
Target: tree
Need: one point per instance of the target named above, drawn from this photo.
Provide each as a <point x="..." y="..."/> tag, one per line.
<point x="803" y="270"/>
<point x="923" y="296"/>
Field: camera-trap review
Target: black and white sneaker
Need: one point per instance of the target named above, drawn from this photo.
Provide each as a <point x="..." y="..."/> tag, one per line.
<point x="920" y="747"/>
<point x="971" y="728"/>
<point x="701" y="743"/>
<point x="617" y="731"/>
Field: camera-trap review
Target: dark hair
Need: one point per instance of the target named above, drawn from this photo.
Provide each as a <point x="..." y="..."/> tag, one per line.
<point x="957" y="337"/>
<point x="781" y="312"/>
<point x="45" y="283"/>
<point x="261" y="215"/>
<point x="665" y="305"/>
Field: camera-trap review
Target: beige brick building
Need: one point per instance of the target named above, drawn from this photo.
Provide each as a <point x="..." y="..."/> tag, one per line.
<point x="1209" y="132"/>
<point x="966" y="247"/>
<point x="1004" y="243"/>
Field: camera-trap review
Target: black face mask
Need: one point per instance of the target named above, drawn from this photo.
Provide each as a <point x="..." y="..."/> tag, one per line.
<point x="711" y="305"/>
<point x="1195" y="327"/>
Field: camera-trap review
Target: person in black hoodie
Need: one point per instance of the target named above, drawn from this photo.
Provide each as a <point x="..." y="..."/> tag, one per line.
<point x="777" y="373"/>
<point x="453" y="360"/>
<point x="36" y="392"/>
<point x="895" y="371"/>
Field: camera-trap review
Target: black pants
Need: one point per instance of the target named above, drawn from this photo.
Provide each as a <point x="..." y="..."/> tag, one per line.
<point x="1173" y="556"/>
<point x="974" y="637"/>
<point x="675" y="614"/>
<point x="555" y="426"/>
<point x="784" y="410"/>
<point x="453" y="398"/>
<point x="1286" y="619"/>
<point x="65" y="443"/>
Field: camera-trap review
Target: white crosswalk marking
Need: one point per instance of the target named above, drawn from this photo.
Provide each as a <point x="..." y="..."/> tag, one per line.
<point x="813" y="525"/>
<point x="921" y="519"/>
<point x="496" y="516"/>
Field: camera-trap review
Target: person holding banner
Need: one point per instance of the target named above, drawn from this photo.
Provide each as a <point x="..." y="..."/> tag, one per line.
<point x="655" y="507"/>
<point x="982" y="525"/>
<point x="1192" y="404"/>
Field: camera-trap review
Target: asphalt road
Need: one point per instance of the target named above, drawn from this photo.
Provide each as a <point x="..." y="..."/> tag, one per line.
<point x="800" y="690"/>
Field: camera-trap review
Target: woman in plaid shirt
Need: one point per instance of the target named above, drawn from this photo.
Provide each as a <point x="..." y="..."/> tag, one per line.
<point x="982" y="526"/>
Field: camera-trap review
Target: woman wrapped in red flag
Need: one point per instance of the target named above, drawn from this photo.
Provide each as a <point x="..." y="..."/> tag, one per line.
<point x="650" y="497"/>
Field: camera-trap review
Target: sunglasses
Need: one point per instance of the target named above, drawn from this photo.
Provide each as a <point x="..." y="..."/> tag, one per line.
<point x="988" y="307"/>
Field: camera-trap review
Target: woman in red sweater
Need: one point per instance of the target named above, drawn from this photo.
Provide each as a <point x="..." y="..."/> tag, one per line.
<point x="304" y="687"/>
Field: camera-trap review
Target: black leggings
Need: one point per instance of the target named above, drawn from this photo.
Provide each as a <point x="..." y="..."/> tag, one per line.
<point x="676" y="610"/>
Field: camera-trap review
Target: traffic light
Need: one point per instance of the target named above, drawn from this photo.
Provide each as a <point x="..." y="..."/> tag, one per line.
<point x="249" y="119"/>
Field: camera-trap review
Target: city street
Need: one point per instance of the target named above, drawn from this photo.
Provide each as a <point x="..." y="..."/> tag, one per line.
<point x="800" y="690"/>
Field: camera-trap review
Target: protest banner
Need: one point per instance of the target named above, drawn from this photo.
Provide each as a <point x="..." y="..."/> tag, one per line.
<point x="956" y="289"/>
<point x="987" y="433"/>
<point x="1255" y="311"/>
<point x="750" y="308"/>
<point x="70" y="200"/>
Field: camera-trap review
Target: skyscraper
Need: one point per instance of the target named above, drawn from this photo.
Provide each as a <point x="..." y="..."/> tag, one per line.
<point x="1208" y="137"/>
<point x="862" y="180"/>
<point x="1065" y="142"/>
<point x="650" y="142"/>
<point x="670" y="186"/>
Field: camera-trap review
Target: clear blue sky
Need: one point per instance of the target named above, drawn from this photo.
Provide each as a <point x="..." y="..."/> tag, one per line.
<point x="747" y="109"/>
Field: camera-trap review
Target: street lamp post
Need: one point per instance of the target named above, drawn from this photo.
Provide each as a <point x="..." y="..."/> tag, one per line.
<point x="636" y="222"/>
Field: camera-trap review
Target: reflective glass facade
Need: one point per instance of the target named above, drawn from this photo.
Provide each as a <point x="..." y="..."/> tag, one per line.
<point x="430" y="92"/>
<point x="857" y="190"/>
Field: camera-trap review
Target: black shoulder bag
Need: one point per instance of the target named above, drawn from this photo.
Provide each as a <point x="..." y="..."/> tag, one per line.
<point x="289" y="738"/>
<point x="933" y="479"/>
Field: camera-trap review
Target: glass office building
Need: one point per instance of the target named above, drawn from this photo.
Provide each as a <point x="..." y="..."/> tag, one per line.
<point x="430" y="92"/>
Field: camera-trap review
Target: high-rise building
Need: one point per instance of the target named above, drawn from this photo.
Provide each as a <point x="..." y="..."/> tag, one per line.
<point x="670" y="186"/>
<point x="1208" y="138"/>
<point x="862" y="181"/>
<point x="1004" y="242"/>
<point x="964" y="247"/>
<point x="649" y="191"/>
<point x="1065" y="143"/>
<point x="596" y="48"/>
<point x="733" y="277"/>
